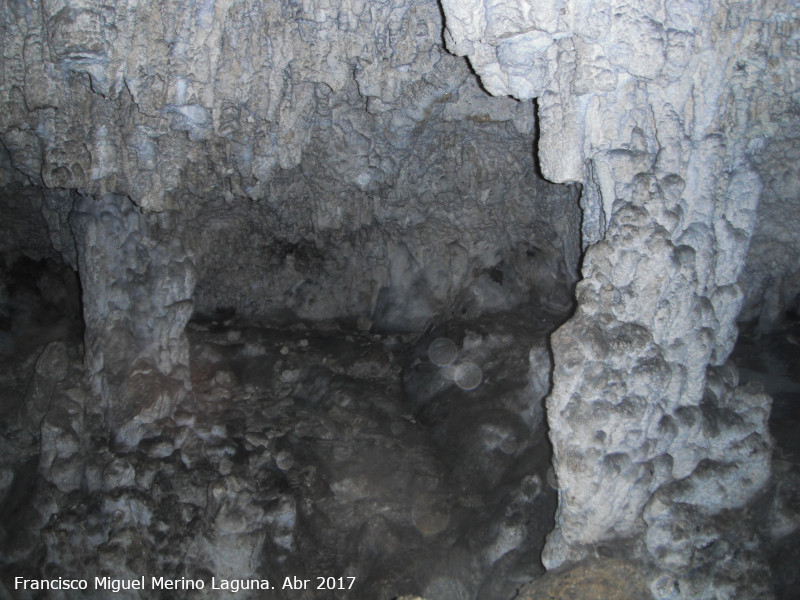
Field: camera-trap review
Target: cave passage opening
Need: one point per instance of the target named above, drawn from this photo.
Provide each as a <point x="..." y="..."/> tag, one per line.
<point x="366" y="392"/>
<point x="389" y="350"/>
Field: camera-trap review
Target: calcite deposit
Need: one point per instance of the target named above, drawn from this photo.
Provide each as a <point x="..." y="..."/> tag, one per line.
<point x="321" y="161"/>
<point x="319" y="169"/>
<point x="279" y="281"/>
<point x="671" y="115"/>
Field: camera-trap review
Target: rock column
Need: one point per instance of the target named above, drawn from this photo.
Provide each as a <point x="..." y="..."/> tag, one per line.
<point x="137" y="285"/>
<point x="657" y="109"/>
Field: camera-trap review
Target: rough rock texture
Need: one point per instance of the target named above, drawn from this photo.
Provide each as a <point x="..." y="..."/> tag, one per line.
<point x="664" y="111"/>
<point x="599" y="579"/>
<point x="328" y="159"/>
<point x="773" y="361"/>
<point x="771" y="275"/>
<point x="317" y="160"/>
<point x="300" y="453"/>
<point x="288" y="162"/>
<point x="137" y="287"/>
<point x="450" y="220"/>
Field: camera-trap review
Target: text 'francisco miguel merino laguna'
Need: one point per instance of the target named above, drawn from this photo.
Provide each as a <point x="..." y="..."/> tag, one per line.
<point x="156" y="583"/>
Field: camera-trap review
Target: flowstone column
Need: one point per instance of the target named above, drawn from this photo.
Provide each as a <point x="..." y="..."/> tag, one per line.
<point x="657" y="108"/>
<point x="137" y="283"/>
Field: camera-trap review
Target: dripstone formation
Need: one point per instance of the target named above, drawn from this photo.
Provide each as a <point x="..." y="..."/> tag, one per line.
<point x="670" y="114"/>
<point x="258" y="255"/>
<point x="324" y="162"/>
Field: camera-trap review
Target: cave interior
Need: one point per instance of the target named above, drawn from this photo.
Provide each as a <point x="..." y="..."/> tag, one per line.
<point x="404" y="299"/>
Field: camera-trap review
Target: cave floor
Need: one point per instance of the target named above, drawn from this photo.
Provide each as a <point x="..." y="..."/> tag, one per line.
<point x="414" y="463"/>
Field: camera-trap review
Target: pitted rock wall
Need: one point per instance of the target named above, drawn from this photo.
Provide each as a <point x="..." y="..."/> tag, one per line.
<point x="663" y="111"/>
<point x="318" y="160"/>
<point x="127" y="97"/>
<point x="425" y="208"/>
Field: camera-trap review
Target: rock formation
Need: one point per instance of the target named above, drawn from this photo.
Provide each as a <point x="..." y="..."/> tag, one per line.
<point x="663" y="111"/>
<point x="328" y="160"/>
<point x="338" y="163"/>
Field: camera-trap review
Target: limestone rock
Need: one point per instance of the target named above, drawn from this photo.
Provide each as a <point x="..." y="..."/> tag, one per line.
<point x="770" y="278"/>
<point x="328" y="472"/>
<point x="598" y="579"/>
<point x="662" y="112"/>
<point x="329" y="160"/>
<point x="137" y="286"/>
<point x="323" y="161"/>
<point x="50" y="371"/>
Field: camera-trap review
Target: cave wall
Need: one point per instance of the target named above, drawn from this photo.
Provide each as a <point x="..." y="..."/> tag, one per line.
<point x="331" y="159"/>
<point x="327" y="158"/>
<point x="771" y="275"/>
<point x="665" y="112"/>
<point x="286" y="160"/>
<point x="397" y="214"/>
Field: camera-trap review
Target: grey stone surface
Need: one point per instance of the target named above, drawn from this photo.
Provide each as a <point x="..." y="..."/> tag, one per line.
<point x="316" y="161"/>
<point x="331" y="471"/>
<point x="664" y="111"/>
<point x="137" y="285"/>
<point x="771" y="275"/>
<point x="330" y="160"/>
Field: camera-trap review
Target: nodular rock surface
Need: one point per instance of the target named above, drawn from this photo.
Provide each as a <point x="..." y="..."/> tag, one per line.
<point x="325" y="160"/>
<point x="330" y="160"/>
<point x="287" y="163"/>
<point x="302" y="452"/>
<point x="675" y="117"/>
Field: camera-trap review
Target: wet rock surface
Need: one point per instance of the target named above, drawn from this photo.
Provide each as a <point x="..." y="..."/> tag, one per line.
<point x="306" y="452"/>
